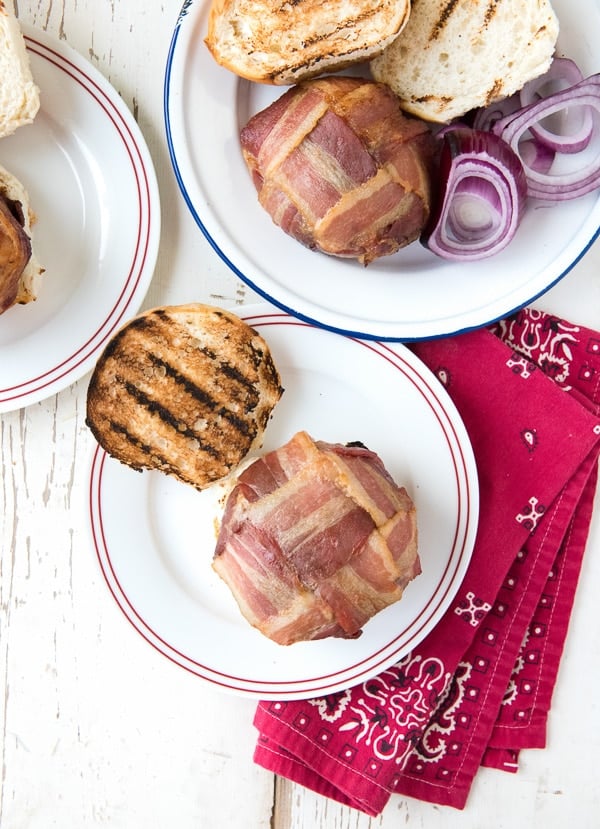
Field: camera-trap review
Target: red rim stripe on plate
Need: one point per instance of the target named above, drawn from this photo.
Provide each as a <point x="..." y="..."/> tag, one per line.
<point x="131" y="283"/>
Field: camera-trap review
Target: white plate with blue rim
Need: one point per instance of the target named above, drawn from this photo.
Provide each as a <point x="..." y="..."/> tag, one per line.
<point x="93" y="189"/>
<point x="411" y="295"/>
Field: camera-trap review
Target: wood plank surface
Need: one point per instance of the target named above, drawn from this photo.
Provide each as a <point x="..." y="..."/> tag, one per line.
<point x="98" y="729"/>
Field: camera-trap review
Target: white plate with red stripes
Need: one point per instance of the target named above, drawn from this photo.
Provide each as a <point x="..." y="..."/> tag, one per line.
<point x="155" y="537"/>
<point x="412" y="295"/>
<point x="93" y="189"/>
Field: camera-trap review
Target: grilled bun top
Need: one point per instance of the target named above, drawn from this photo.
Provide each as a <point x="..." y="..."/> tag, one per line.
<point x="452" y="57"/>
<point x="285" y="42"/>
<point x="19" y="95"/>
<point x="187" y="390"/>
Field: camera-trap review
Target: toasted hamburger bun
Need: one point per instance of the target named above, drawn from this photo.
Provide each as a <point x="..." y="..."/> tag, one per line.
<point x="453" y="57"/>
<point x="282" y="43"/>
<point x="20" y="270"/>
<point x="187" y="390"/>
<point x="19" y="95"/>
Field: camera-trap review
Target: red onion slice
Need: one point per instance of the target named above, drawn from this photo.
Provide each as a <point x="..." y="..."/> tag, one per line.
<point x="576" y="130"/>
<point x="484" y="118"/>
<point x="557" y="185"/>
<point x="562" y="73"/>
<point x="536" y="155"/>
<point x="481" y="199"/>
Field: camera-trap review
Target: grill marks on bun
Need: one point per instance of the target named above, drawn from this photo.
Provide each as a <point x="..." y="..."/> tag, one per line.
<point x="187" y="390"/>
<point x="452" y="56"/>
<point x="283" y="43"/>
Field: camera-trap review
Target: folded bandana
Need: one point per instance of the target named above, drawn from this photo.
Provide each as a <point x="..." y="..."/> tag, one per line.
<point x="479" y="687"/>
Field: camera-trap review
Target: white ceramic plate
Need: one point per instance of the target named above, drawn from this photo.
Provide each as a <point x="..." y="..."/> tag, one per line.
<point x="411" y="295"/>
<point x="93" y="189"/>
<point x="155" y="537"/>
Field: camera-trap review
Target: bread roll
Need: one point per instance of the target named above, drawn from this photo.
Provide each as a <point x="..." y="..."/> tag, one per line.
<point x="282" y="43"/>
<point x="185" y="389"/>
<point x="19" y="95"/>
<point x="452" y="57"/>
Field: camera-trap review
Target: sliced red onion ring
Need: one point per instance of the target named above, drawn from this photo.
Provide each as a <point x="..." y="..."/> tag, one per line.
<point x="578" y="123"/>
<point x="536" y="155"/>
<point x="563" y="72"/>
<point x="543" y="184"/>
<point x="485" y="117"/>
<point x="481" y="199"/>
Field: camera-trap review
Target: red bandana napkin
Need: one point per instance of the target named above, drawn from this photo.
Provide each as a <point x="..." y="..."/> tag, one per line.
<point x="479" y="687"/>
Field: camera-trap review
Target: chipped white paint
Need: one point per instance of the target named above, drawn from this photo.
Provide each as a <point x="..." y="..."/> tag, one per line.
<point x="97" y="728"/>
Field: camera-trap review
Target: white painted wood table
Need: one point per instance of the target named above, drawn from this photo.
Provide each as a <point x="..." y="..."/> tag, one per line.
<point x="100" y="729"/>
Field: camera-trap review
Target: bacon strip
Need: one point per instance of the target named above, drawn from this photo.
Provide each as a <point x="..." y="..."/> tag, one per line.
<point x="315" y="539"/>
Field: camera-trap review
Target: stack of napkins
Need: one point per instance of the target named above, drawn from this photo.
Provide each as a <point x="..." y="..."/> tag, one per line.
<point x="478" y="688"/>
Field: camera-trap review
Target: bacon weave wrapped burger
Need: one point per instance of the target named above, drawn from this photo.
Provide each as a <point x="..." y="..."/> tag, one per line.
<point x="316" y="538"/>
<point x="339" y="167"/>
<point x="20" y="271"/>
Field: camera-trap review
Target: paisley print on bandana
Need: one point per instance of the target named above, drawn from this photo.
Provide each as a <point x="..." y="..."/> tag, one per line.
<point x="530" y="439"/>
<point x="433" y="744"/>
<point x="511" y="692"/>
<point x="443" y="375"/>
<point x="472" y="609"/>
<point x="332" y="706"/>
<point x="521" y="365"/>
<point x="531" y="514"/>
<point x="388" y="713"/>
<point x="544" y="339"/>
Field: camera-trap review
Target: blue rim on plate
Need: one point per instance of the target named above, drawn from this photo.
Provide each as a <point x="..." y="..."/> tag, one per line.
<point x="410" y="296"/>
